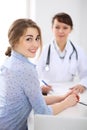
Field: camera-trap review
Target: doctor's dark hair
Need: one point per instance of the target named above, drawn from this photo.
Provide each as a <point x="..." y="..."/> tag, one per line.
<point x="63" y="18"/>
<point x="17" y="29"/>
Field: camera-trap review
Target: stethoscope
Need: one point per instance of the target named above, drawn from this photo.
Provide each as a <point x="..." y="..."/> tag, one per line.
<point x="48" y="55"/>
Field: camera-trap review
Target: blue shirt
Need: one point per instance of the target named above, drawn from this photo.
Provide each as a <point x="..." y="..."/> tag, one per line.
<point x="19" y="93"/>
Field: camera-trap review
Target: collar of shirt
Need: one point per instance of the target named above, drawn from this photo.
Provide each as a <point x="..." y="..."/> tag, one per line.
<point x="61" y="53"/>
<point x="21" y="57"/>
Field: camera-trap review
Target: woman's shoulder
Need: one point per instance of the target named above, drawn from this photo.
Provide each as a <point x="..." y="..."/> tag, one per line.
<point x="78" y="47"/>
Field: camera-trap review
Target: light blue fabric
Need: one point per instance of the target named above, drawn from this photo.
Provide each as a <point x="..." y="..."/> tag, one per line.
<point x="19" y="93"/>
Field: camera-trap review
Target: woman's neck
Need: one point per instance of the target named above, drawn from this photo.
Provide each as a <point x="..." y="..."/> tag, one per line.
<point x="61" y="45"/>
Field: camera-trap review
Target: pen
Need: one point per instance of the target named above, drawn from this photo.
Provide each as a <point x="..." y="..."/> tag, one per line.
<point x="83" y="103"/>
<point x="45" y="83"/>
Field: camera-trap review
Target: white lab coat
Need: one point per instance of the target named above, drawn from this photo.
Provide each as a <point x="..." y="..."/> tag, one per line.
<point x="63" y="70"/>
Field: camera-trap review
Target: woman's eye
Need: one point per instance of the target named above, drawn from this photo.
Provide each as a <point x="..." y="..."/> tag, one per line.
<point x="65" y="28"/>
<point x="38" y="38"/>
<point x="57" y="27"/>
<point x="62" y="28"/>
<point x="29" y="39"/>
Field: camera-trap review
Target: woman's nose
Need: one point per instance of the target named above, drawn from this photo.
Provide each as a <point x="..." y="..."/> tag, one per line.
<point x="35" y="44"/>
<point x="60" y="30"/>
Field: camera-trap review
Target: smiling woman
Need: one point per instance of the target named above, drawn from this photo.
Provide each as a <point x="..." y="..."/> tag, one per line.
<point x="30" y="43"/>
<point x="20" y="88"/>
<point x="24" y="38"/>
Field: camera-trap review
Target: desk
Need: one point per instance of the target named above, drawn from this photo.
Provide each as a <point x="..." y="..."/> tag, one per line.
<point x="59" y="123"/>
<point x="74" y="118"/>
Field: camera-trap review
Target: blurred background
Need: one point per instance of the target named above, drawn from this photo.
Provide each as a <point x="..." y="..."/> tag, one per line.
<point x="42" y="11"/>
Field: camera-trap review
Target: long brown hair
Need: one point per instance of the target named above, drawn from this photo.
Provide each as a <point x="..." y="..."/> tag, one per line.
<point x="17" y="29"/>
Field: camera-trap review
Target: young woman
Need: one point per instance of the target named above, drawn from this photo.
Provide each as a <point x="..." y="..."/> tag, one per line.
<point x="20" y="90"/>
<point x="61" y="60"/>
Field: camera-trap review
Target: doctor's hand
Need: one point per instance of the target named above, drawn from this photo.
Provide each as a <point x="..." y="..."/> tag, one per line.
<point x="46" y="89"/>
<point x="78" y="89"/>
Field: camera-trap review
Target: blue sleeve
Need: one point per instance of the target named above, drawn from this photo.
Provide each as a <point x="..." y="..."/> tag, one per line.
<point x="33" y="92"/>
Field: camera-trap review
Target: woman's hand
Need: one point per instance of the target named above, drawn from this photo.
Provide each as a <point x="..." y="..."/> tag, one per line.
<point x="46" y="89"/>
<point x="71" y="100"/>
<point x="69" y="93"/>
<point x="78" y="89"/>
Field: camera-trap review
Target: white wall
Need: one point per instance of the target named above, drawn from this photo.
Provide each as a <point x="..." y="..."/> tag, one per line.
<point x="83" y="24"/>
<point x="42" y="12"/>
<point x="9" y="11"/>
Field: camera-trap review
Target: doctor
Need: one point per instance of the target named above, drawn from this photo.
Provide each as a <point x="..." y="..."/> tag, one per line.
<point x="61" y="60"/>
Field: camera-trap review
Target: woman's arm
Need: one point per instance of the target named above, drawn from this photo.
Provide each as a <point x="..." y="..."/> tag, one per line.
<point x="60" y="103"/>
<point x="69" y="101"/>
<point x="50" y="99"/>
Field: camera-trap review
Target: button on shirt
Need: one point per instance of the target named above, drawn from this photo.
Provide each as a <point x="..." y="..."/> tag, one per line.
<point x="19" y="93"/>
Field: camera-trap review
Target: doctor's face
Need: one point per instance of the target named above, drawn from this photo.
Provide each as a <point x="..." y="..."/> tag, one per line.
<point x="61" y="31"/>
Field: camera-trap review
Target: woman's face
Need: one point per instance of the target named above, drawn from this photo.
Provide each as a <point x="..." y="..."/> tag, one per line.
<point x="61" y="31"/>
<point x="29" y="43"/>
